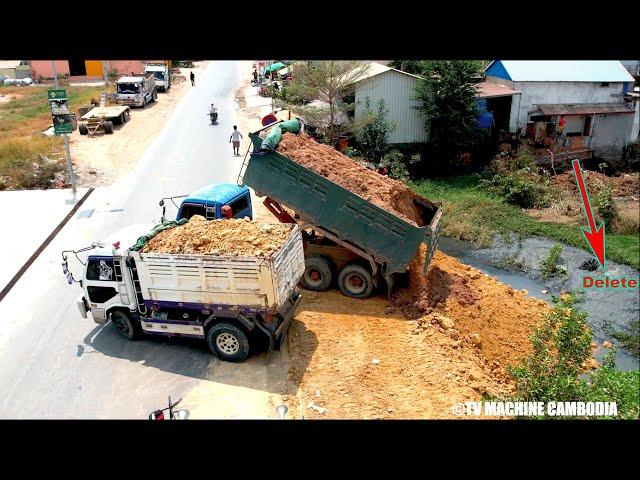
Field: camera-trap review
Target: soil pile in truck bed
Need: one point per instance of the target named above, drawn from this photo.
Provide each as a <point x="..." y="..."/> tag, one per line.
<point x="471" y="306"/>
<point x="220" y="237"/>
<point x="391" y="195"/>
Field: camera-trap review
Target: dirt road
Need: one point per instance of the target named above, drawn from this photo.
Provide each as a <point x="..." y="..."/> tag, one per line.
<point x="102" y="159"/>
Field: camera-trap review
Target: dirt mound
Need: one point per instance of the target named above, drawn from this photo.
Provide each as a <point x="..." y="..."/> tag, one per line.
<point x="389" y="194"/>
<point x="465" y="302"/>
<point x="366" y="363"/>
<point x="624" y="185"/>
<point x="220" y="237"/>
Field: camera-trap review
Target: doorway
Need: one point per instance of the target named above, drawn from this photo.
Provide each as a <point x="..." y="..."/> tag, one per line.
<point x="77" y="68"/>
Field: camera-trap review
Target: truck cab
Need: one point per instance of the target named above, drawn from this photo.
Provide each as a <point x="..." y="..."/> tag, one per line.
<point x="107" y="286"/>
<point x="216" y="201"/>
<point x="161" y="75"/>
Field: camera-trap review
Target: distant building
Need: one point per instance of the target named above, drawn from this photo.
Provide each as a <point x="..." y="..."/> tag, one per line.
<point x="15" y="68"/>
<point x="589" y="99"/>
<point x="396" y="88"/>
<point x="86" y="69"/>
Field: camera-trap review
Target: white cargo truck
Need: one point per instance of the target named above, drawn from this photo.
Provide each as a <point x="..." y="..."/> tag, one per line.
<point x="237" y="304"/>
<point x="136" y="90"/>
<point x="161" y="74"/>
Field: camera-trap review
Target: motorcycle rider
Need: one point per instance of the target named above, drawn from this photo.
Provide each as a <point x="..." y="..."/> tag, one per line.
<point x="213" y="113"/>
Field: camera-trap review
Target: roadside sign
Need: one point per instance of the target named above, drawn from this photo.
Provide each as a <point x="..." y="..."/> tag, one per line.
<point x="60" y="111"/>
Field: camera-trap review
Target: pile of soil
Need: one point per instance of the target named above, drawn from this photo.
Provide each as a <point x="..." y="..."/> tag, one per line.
<point x="625" y="185"/>
<point x="471" y="306"/>
<point x="221" y="237"/>
<point x="352" y="359"/>
<point x="391" y="195"/>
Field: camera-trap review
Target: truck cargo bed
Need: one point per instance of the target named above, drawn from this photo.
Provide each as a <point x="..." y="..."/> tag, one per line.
<point x="211" y="280"/>
<point x="390" y="240"/>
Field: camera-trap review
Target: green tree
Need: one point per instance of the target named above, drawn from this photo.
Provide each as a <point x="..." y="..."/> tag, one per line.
<point x="373" y="135"/>
<point x="410" y="66"/>
<point x="447" y="100"/>
<point x="331" y="82"/>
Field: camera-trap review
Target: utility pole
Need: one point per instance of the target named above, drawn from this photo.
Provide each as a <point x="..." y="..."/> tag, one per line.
<point x="66" y="140"/>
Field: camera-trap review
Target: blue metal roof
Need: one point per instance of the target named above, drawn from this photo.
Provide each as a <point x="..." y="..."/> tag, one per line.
<point x="559" y="70"/>
<point x="220" y="193"/>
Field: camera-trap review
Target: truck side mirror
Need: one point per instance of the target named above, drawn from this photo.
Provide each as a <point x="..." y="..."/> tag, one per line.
<point x="161" y="203"/>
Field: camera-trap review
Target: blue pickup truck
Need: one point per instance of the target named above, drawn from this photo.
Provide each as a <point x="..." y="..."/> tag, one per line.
<point x="224" y="200"/>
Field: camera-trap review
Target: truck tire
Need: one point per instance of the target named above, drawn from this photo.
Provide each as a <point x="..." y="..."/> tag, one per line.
<point x="154" y="95"/>
<point x="318" y="274"/>
<point x="128" y="328"/>
<point x="228" y="342"/>
<point x="355" y="281"/>
<point x="82" y="128"/>
<point x="126" y="116"/>
<point x="108" y="127"/>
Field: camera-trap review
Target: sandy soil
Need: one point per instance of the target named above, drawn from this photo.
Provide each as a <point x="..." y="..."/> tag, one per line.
<point x="389" y="194"/>
<point x="103" y="159"/>
<point x="221" y="237"/>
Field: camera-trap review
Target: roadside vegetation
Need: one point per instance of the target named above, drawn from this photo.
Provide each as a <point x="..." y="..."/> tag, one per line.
<point x="23" y="149"/>
<point x="562" y="351"/>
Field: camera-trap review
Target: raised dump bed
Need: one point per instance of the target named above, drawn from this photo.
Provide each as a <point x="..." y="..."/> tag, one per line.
<point x="353" y="222"/>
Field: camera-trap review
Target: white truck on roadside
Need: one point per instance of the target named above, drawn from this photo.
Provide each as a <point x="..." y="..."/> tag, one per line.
<point x="235" y="303"/>
<point x="161" y="74"/>
<point x="136" y="89"/>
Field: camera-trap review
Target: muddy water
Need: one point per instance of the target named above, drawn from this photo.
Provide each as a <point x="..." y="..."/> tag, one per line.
<point x="517" y="263"/>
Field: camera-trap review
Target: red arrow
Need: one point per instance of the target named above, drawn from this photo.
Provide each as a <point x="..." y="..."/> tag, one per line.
<point x="595" y="236"/>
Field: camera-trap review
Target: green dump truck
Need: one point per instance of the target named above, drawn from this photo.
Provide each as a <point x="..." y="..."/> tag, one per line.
<point x="347" y="239"/>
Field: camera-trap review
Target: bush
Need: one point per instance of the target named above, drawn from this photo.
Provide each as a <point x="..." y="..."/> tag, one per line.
<point x="553" y="372"/>
<point x="549" y="265"/>
<point x="604" y="203"/>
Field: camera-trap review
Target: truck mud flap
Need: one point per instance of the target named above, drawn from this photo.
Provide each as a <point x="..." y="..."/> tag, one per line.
<point x="288" y="313"/>
<point x="432" y="237"/>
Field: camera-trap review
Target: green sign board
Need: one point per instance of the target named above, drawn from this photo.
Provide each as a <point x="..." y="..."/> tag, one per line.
<point x="57" y="94"/>
<point x="60" y="111"/>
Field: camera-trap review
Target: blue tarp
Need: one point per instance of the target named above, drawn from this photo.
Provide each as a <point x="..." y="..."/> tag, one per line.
<point x="484" y="120"/>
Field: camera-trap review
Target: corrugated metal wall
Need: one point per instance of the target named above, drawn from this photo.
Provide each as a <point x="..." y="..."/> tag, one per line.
<point x="396" y="89"/>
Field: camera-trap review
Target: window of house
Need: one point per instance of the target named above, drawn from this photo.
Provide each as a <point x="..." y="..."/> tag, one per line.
<point x="239" y="205"/>
<point x="101" y="269"/>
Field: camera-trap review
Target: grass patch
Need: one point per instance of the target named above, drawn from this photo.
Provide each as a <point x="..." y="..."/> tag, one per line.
<point x="473" y="215"/>
<point x="630" y="339"/>
<point x="21" y="121"/>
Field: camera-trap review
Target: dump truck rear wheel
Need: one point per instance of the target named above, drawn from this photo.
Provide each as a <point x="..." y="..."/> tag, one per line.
<point x="228" y="342"/>
<point x="355" y="281"/>
<point x="82" y="128"/>
<point x="128" y="328"/>
<point x="108" y="127"/>
<point x="154" y="96"/>
<point x="317" y="275"/>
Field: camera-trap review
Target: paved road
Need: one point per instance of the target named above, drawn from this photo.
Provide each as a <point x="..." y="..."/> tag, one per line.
<point x="54" y="363"/>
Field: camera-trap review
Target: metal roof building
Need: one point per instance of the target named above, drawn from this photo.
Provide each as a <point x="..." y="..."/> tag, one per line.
<point x="396" y="88"/>
<point x="559" y="71"/>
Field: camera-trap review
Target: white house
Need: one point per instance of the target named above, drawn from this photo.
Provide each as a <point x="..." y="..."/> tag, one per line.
<point x="396" y="88"/>
<point x="590" y="95"/>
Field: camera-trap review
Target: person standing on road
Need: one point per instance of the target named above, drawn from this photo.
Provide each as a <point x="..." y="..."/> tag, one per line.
<point x="255" y="75"/>
<point x="235" y="138"/>
<point x="193" y="79"/>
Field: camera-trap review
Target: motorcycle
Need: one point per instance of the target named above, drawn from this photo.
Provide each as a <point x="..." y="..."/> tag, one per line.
<point x="213" y="114"/>
<point x="182" y="414"/>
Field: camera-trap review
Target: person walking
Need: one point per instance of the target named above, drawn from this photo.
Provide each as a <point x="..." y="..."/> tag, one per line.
<point x="193" y="79"/>
<point x="235" y="138"/>
<point x="255" y="75"/>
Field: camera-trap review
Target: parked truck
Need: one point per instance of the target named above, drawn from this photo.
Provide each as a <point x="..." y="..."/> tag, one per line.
<point x="347" y="240"/>
<point x="236" y="304"/>
<point x="161" y="74"/>
<point x="136" y="89"/>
